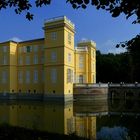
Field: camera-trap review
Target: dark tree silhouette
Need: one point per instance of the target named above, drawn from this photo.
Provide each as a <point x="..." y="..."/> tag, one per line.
<point x="115" y="7"/>
<point x="133" y="47"/>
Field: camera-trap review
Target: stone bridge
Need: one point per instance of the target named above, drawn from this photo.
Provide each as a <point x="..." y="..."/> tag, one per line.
<point x="106" y="91"/>
<point x="124" y="91"/>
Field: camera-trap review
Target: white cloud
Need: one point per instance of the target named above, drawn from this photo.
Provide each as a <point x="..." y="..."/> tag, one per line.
<point x="16" y="39"/>
<point x="110" y="47"/>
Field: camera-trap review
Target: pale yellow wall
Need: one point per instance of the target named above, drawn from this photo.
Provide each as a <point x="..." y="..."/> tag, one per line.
<point x="62" y="48"/>
<point x="13" y="66"/>
<point x="63" y="27"/>
<point x="9" y="67"/>
<point x="39" y="86"/>
<point x="86" y="49"/>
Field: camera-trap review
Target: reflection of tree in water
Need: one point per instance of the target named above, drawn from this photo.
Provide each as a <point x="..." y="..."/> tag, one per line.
<point x="129" y="104"/>
<point x="116" y="105"/>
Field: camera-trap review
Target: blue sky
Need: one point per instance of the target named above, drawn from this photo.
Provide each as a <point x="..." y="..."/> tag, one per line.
<point x="96" y="25"/>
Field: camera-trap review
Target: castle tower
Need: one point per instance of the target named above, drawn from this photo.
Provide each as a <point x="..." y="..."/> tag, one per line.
<point x="59" y="58"/>
<point x="85" y="60"/>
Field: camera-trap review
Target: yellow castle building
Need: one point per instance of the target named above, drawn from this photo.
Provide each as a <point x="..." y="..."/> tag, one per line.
<point x="49" y="65"/>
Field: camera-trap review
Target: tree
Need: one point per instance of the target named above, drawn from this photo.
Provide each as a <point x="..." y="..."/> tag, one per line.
<point x="133" y="47"/>
<point x="113" y="67"/>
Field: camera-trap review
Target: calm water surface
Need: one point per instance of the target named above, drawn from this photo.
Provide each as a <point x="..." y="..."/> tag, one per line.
<point x="101" y="120"/>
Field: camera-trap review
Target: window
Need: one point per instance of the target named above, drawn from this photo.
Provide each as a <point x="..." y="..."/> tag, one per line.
<point x="53" y="75"/>
<point x="53" y="35"/>
<point x="24" y="49"/>
<point x="81" y="61"/>
<point x="20" y="79"/>
<point x="4" y="77"/>
<point x="27" y="60"/>
<point x="4" y="59"/>
<point x="4" y="48"/>
<point x="69" y="57"/>
<point x="93" y="67"/>
<point x="69" y="76"/>
<point x="35" y="59"/>
<point x="42" y="48"/>
<point x="42" y="58"/>
<point x="35" y="76"/>
<point x="43" y="75"/>
<point x="28" y="48"/>
<point x="81" y="79"/>
<point x="20" y="60"/>
<point x="53" y="56"/>
<point x="35" y="48"/>
<point x="93" y="54"/>
<point x="69" y="38"/>
<point x="27" y="77"/>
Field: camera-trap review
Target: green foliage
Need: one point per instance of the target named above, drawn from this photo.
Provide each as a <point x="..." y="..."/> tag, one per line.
<point x="115" y="7"/>
<point x="114" y="68"/>
<point x="133" y="47"/>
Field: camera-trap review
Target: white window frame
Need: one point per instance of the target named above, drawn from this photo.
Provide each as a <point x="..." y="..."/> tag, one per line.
<point x="53" y="75"/>
<point x="69" y="75"/>
<point x="53" y="36"/>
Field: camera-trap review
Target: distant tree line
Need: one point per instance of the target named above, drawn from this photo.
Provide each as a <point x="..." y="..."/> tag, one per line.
<point x="116" y="68"/>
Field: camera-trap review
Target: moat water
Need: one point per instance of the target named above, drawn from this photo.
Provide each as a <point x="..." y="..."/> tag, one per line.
<point x="101" y="120"/>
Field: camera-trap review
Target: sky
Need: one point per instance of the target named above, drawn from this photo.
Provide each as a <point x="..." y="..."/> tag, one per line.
<point x="91" y="24"/>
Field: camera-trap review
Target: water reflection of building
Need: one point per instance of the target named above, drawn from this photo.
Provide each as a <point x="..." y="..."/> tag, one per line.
<point x="82" y="118"/>
<point x="46" y="117"/>
<point x="56" y="118"/>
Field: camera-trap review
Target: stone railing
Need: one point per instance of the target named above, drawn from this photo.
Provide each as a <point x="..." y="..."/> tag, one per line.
<point x="90" y="85"/>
